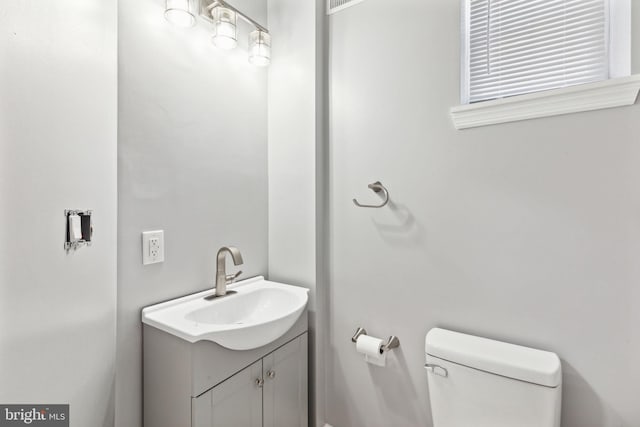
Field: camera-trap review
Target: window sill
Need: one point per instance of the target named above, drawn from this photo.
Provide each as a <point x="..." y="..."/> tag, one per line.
<point x="593" y="96"/>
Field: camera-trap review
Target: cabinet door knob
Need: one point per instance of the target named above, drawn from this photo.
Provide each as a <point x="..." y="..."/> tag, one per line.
<point x="259" y="382"/>
<point x="271" y="374"/>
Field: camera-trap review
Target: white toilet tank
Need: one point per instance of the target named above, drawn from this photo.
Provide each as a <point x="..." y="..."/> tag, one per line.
<point x="478" y="382"/>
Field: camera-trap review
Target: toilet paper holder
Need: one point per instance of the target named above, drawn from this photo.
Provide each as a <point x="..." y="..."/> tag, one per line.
<point x="392" y="342"/>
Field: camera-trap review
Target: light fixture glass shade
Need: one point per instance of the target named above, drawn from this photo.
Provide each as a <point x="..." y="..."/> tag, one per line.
<point x="260" y="48"/>
<point x="225" y="29"/>
<point x="180" y="13"/>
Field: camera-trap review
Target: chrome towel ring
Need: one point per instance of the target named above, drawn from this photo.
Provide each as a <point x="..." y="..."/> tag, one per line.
<point x="376" y="187"/>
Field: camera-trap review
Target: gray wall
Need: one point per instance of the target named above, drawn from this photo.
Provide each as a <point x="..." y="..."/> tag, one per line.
<point x="58" y="151"/>
<point x="526" y="232"/>
<point x="192" y="161"/>
<point x="295" y="192"/>
<point x="292" y="138"/>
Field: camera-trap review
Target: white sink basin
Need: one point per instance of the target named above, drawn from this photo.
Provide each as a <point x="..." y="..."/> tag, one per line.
<point x="259" y="313"/>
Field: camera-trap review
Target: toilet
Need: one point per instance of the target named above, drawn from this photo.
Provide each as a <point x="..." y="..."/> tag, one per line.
<point x="478" y="382"/>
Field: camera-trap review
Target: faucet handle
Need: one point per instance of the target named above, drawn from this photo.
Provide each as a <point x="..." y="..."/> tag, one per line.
<point x="232" y="277"/>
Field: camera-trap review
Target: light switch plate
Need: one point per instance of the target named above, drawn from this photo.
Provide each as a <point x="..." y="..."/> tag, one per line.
<point x="152" y="247"/>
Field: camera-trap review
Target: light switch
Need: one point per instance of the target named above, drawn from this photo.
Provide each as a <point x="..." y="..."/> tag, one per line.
<point x="152" y="247"/>
<point x="75" y="228"/>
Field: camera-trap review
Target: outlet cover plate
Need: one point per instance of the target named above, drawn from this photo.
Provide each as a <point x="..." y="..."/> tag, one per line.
<point x="152" y="247"/>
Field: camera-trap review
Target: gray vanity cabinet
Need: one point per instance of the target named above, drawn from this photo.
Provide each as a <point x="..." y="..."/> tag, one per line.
<point x="272" y="392"/>
<point x="203" y="384"/>
<point x="236" y="402"/>
<point x="285" y="386"/>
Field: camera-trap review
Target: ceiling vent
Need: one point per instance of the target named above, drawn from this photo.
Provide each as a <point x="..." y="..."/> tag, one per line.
<point x="334" y="6"/>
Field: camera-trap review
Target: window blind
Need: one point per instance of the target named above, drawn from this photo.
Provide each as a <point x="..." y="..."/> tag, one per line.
<point x="515" y="47"/>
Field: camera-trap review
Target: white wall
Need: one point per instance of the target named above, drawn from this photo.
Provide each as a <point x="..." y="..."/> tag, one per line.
<point x="526" y="232"/>
<point x="296" y="233"/>
<point x="292" y="142"/>
<point x="192" y="161"/>
<point x="57" y="152"/>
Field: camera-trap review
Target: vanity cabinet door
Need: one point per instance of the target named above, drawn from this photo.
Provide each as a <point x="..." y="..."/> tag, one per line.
<point x="236" y="402"/>
<point x="285" y="385"/>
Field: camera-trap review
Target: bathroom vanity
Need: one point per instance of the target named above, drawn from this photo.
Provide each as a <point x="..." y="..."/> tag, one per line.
<point x="204" y="384"/>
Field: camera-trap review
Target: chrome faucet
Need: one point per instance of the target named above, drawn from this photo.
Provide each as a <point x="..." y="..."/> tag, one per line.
<point x="222" y="280"/>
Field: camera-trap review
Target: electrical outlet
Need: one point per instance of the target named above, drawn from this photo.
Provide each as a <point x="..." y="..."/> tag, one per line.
<point x="152" y="247"/>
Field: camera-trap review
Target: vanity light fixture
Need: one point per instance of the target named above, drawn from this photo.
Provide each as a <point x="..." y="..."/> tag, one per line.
<point x="259" y="48"/>
<point x="180" y="13"/>
<point x="225" y="27"/>
<point x="224" y="18"/>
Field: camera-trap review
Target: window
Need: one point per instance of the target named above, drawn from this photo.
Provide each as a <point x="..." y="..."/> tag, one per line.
<point x="514" y="47"/>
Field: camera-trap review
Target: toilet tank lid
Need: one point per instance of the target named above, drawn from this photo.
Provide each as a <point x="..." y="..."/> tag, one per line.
<point x="500" y="358"/>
